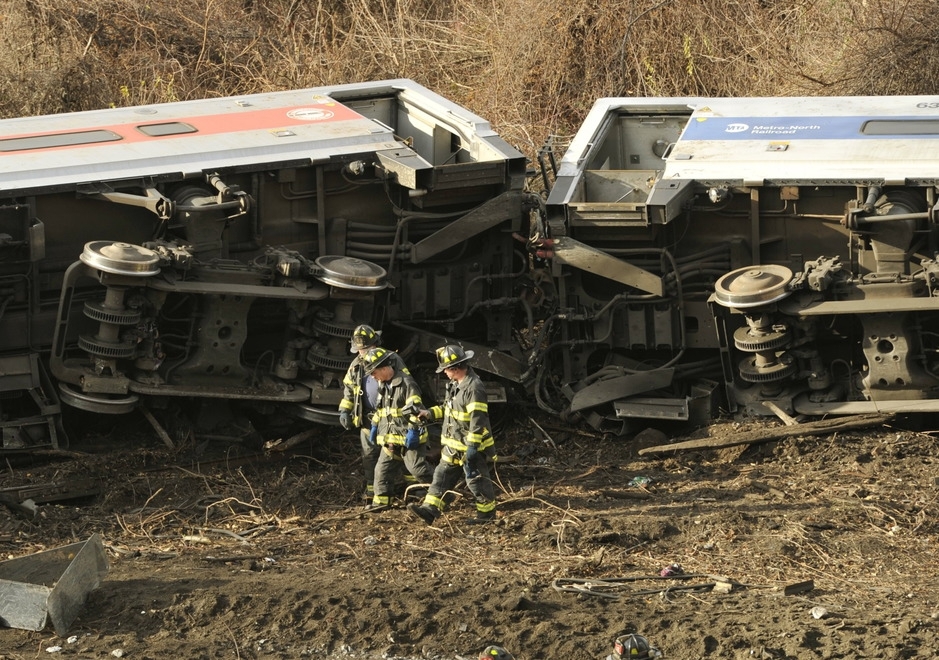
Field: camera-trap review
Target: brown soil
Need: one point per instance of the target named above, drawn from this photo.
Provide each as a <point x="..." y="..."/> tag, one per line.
<point x="215" y="553"/>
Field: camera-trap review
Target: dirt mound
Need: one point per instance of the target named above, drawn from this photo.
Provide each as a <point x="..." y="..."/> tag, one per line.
<point x="808" y="546"/>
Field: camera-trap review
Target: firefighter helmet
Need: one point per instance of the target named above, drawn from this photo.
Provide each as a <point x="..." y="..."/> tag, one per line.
<point x="364" y="336"/>
<point x="376" y="357"/>
<point x="451" y="355"/>
<point x="495" y="653"/>
<point x="634" y="647"/>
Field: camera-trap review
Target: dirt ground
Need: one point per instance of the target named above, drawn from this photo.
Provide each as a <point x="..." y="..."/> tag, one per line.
<point x="216" y="551"/>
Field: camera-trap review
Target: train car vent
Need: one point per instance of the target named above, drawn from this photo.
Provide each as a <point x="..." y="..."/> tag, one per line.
<point x="166" y="128"/>
<point x="901" y="127"/>
<point x="53" y="140"/>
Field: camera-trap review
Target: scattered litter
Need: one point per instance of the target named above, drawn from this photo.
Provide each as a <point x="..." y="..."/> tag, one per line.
<point x="53" y="649"/>
<point x="633" y="646"/>
<point x="672" y="569"/>
<point x="798" y="587"/>
<point x="639" y="482"/>
<point x="610" y="588"/>
<point x="196" y="538"/>
<point x="72" y="639"/>
<point x="370" y="540"/>
<point x="819" y="612"/>
<point x="546" y="438"/>
<point x="74" y="571"/>
<point x="118" y="653"/>
<point x="723" y="586"/>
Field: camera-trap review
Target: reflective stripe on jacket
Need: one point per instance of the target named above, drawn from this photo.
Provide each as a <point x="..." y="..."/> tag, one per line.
<point x="394" y="395"/>
<point x="353" y="388"/>
<point x="465" y="414"/>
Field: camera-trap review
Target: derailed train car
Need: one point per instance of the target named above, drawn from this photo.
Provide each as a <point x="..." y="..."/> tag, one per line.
<point x="779" y="250"/>
<point x="222" y="251"/>
<point x="691" y="256"/>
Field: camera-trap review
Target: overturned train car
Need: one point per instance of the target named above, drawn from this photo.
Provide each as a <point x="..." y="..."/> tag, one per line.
<point x="781" y="251"/>
<point x="691" y="256"/>
<point x="222" y="250"/>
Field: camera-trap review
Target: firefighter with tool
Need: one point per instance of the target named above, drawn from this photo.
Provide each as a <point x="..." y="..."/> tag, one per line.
<point x="466" y="439"/>
<point x="395" y="428"/>
<point x="359" y="397"/>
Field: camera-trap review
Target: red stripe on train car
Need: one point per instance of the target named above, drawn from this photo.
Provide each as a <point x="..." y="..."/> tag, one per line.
<point x="228" y="122"/>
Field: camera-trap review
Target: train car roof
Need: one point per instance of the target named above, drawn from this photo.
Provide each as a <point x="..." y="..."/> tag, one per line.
<point x="778" y="140"/>
<point x="207" y="135"/>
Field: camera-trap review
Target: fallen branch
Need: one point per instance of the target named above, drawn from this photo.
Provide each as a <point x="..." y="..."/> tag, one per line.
<point x="160" y="431"/>
<point x="231" y="558"/>
<point x="636" y="494"/>
<point x="787" y="419"/>
<point x="820" y="427"/>
<point x="607" y="587"/>
<point x="292" y="441"/>
<point x="10" y="503"/>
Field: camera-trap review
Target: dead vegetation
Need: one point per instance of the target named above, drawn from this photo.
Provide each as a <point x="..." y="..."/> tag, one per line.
<point x="217" y="551"/>
<point x="222" y="556"/>
<point x="532" y="69"/>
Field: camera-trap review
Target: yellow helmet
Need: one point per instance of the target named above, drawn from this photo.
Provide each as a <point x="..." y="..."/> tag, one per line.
<point x="451" y="355"/>
<point x="364" y="336"/>
<point x="376" y="357"/>
<point x="495" y="653"/>
<point x="634" y="647"/>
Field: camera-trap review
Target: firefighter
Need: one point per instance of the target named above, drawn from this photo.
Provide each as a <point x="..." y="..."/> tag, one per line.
<point x="395" y="428"/>
<point x="466" y="439"/>
<point x="359" y="395"/>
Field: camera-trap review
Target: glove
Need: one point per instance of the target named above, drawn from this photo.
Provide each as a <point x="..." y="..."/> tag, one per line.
<point x="345" y="420"/>
<point x="425" y="415"/>
<point x="469" y="462"/>
<point x="412" y="439"/>
<point x="373" y="436"/>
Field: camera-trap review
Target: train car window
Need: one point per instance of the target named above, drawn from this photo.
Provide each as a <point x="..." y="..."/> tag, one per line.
<point x="901" y="127"/>
<point x="166" y="128"/>
<point x="57" y="140"/>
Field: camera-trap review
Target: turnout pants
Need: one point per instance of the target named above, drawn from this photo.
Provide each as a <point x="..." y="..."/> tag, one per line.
<point x="370" y="455"/>
<point x="450" y="470"/>
<point x="393" y="460"/>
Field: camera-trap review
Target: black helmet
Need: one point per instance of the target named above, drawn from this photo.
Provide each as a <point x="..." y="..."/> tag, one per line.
<point x="376" y="357"/>
<point x="451" y="355"/>
<point x="364" y="336"/>
<point x="495" y="653"/>
<point x="635" y="647"/>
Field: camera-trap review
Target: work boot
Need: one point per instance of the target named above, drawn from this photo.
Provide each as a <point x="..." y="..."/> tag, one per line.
<point x="371" y="507"/>
<point x="425" y="512"/>
<point x="482" y="518"/>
